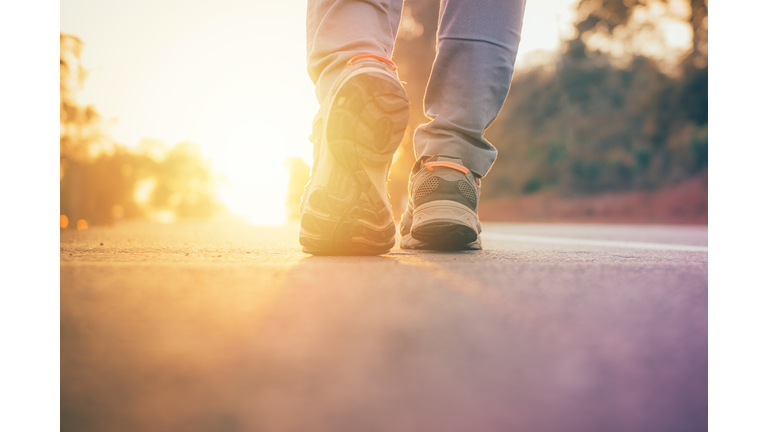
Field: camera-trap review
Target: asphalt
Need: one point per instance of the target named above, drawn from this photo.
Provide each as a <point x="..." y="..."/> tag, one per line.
<point x="227" y="327"/>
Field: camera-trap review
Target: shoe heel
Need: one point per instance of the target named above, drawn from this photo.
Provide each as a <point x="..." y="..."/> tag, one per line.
<point x="348" y="215"/>
<point x="445" y="224"/>
<point x="376" y="115"/>
<point x="382" y="126"/>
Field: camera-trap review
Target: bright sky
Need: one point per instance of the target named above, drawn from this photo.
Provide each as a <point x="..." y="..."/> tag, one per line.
<point x="228" y="75"/>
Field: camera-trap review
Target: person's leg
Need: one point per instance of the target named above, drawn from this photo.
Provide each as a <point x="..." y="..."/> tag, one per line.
<point x="477" y="44"/>
<point x="338" y="30"/>
<point x="476" y="48"/>
<point x="362" y="119"/>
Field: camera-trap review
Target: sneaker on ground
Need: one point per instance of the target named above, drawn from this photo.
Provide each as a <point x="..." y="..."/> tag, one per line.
<point x="442" y="207"/>
<point x="345" y="209"/>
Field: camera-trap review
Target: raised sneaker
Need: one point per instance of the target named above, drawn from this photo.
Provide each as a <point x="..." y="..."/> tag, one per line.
<point x="345" y="209"/>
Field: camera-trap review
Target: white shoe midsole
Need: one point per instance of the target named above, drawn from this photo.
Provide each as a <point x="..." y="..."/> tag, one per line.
<point x="445" y="210"/>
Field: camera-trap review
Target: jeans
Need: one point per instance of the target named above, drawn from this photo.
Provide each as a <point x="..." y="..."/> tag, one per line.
<point x="477" y="44"/>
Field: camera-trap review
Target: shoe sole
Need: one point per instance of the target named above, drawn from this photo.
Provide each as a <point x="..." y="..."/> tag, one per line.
<point x="445" y="225"/>
<point x="408" y="242"/>
<point x="347" y="215"/>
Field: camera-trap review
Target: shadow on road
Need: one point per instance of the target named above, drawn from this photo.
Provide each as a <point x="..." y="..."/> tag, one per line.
<point x="403" y="342"/>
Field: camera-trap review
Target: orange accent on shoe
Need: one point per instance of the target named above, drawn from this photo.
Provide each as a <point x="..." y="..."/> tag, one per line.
<point x="431" y="166"/>
<point x="377" y="57"/>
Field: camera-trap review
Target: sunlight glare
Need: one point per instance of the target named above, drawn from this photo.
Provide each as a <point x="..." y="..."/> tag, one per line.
<point x="144" y="190"/>
<point x="229" y="76"/>
<point x="256" y="184"/>
<point x="165" y="217"/>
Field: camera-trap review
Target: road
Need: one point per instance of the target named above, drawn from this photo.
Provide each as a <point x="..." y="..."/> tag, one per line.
<point x="230" y="327"/>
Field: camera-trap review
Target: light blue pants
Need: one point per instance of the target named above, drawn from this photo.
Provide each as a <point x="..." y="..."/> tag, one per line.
<point x="477" y="44"/>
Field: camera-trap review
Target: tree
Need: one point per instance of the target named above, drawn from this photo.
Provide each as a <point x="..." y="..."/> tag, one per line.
<point x="82" y="129"/>
<point x="100" y="180"/>
<point x="612" y="17"/>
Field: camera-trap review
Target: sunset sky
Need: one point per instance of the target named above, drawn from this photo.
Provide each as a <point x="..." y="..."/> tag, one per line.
<point x="227" y="75"/>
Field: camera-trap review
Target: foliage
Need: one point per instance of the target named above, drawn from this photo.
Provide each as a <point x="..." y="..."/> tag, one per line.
<point x="81" y="132"/>
<point x="585" y="124"/>
<point x="589" y="128"/>
<point x="614" y="17"/>
<point x="101" y="181"/>
<point x="129" y="184"/>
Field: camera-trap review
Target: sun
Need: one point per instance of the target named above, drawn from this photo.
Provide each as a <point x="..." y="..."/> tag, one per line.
<point x="230" y="78"/>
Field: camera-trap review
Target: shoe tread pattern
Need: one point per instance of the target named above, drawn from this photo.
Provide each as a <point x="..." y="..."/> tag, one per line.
<point x="348" y="216"/>
<point x="444" y="234"/>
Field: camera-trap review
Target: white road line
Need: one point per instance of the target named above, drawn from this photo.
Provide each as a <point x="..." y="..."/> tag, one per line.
<point x="592" y="242"/>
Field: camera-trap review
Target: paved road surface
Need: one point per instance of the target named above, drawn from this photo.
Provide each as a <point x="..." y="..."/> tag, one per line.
<point x="226" y="327"/>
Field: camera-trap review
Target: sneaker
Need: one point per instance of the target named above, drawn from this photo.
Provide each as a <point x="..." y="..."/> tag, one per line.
<point x="345" y="209"/>
<point x="442" y="207"/>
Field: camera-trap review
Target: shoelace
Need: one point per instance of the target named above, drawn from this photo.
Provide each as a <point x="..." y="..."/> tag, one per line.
<point x="374" y="56"/>
<point x="431" y="166"/>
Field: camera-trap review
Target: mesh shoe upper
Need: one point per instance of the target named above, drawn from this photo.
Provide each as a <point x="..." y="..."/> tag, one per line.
<point x="441" y="178"/>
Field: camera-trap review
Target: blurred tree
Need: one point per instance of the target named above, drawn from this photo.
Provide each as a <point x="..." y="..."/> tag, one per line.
<point x="184" y="185"/>
<point x="81" y="126"/>
<point x="699" y="23"/>
<point x="101" y="181"/>
<point x="610" y="17"/>
<point x="135" y="184"/>
<point x="588" y="123"/>
<point x="102" y="190"/>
